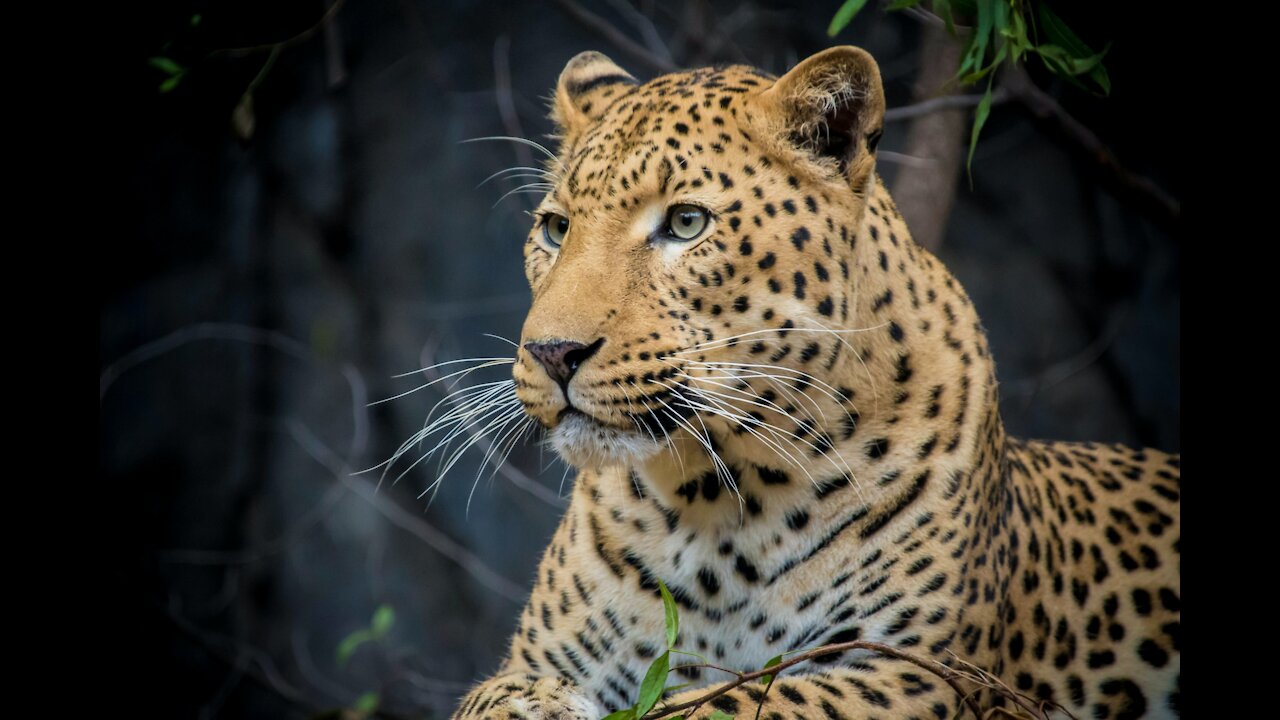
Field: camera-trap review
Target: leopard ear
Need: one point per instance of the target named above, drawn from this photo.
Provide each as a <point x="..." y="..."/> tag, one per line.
<point x="832" y="106"/>
<point x="586" y="86"/>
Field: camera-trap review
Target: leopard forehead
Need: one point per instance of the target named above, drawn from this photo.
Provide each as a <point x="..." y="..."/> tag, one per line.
<point x="692" y="135"/>
<point x="690" y="121"/>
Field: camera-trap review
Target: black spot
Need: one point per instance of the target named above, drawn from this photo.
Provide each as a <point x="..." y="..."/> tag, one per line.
<point x="1153" y="654"/>
<point x="799" y="237"/>
<point x="790" y="693"/>
<point x="1142" y="602"/>
<point x="582" y="86"/>
<point x="877" y="448"/>
<point x="797" y="519"/>
<point x="709" y="581"/>
<point x="710" y="486"/>
<point x="727" y="703"/>
<point x="1133" y="704"/>
<point x="1101" y="659"/>
<point x="769" y="476"/>
<point x="688" y="490"/>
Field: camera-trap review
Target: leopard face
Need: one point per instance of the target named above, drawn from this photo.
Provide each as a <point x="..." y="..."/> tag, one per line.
<point x="696" y="245"/>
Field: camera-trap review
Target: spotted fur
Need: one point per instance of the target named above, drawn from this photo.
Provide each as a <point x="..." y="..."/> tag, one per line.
<point x="792" y="421"/>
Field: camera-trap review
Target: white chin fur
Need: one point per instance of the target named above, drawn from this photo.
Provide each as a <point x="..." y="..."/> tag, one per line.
<point x="586" y="444"/>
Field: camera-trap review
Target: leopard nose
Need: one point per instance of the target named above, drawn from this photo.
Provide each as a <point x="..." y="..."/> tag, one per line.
<point x="562" y="358"/>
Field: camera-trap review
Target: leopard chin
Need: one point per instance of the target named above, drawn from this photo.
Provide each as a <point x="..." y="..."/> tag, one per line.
<point x="590" y="445"/>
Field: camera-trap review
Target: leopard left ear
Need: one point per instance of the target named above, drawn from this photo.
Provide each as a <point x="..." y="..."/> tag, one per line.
<point x="586" y="86"/>
<point x="832" y="106"/>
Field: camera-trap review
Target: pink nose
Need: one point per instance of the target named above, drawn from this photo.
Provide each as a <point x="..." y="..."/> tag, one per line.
<point x="562" y="358"/>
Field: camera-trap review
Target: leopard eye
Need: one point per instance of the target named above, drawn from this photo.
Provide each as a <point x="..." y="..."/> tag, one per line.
<point x="686" y="222"/>
<point x="554" y="228"/>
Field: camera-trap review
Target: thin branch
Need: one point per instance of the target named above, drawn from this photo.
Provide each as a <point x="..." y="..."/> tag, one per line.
<point x="930" y="18"/>
<point x="404" y="519"/>
<point x="283" y="542"/>
<point x="616" y="36"/>
<point x="1044" y="106"/>
<point x="298" y="39"/>
<point x="898" y="158"/>
<point x="503" y="95"/>
<point x="1036" y="709"/>
<point x="948" y="675"/>
<point x="259" y="667"/>
<point x="945" y="102"/>
<point x="254" y="336"/>
<point x="645" y="27"/>
<point x="339" y="467"/>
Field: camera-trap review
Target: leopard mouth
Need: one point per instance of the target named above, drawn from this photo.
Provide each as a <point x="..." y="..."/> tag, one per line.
<point x="588" y="443"/>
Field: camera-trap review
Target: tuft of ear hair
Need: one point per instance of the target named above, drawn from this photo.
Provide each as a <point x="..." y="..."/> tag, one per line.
<point x="587" y="85"/>
<point x="831" y="106"/>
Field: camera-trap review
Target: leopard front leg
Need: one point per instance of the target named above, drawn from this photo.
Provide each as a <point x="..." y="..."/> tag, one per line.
<point x="880" y="688"/>
<point x="522" y="696"/>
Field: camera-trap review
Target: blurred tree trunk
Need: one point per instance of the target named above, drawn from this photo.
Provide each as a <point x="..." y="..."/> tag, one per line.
<point x="925" y="191"/>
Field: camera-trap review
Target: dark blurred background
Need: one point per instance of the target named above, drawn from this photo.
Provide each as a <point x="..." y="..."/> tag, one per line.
<point x="288" y="255"/>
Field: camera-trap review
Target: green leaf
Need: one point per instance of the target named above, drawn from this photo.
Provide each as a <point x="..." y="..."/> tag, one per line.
<point x="166" y="65"/>
<point x="979" y="119"/>
<point x="942" y="8"/>
<point x="844" y="16"/>
<point x="719" y="715"/>
<point x="1065" y="64"/>
<point x="1016" y="35"/>
<point x="654" y="682"/>
<point x="902" y="4"/>
<point x="765" y="680"/>
<point x="366" y="703"/>
<point x="703" y="658"/>
<point x="672" y="615"/>
<point x="383" y="618"/>
<point x="972" y="64"/>
<point x="170" y="83"/>
<point x="1059" y="34"/>
<point x="348" y="646"/>
<point x="623" y="714"/>
<point x="195" y="20"/>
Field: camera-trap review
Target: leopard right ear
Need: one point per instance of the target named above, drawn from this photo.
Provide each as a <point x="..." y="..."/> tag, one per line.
<point x="832" y="106"/>
<point x="586" y="87"/>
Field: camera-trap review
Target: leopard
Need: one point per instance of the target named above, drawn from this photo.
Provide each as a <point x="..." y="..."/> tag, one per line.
<point x="784" y="412"/>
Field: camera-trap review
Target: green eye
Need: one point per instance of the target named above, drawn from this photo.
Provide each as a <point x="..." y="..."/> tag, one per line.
<point x="555" y="227"/>
<point x="686" y="222"/>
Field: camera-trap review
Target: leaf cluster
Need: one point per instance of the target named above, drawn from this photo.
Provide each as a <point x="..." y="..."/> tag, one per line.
<point x="1004" y="32"/>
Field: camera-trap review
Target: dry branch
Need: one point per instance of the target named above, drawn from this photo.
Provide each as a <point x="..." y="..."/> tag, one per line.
<point x="1154" y="198"/>
<point x="1026" y="708"/>
<point x="616" y="36"/>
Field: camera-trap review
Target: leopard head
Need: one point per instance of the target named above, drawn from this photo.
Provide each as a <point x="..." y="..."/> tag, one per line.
<point x="693" y="263"/>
